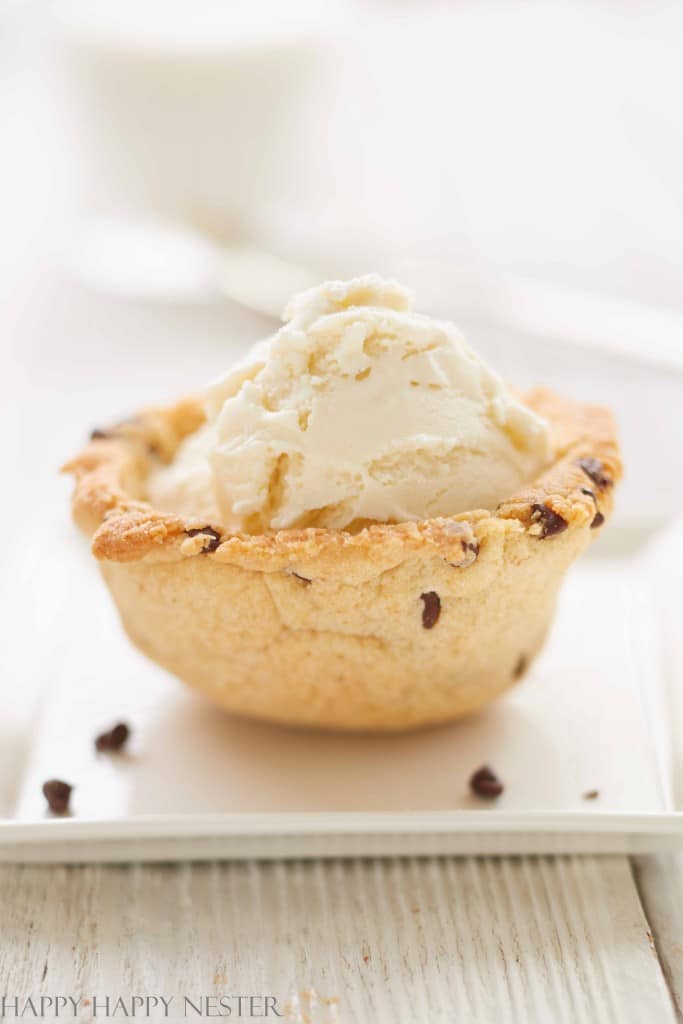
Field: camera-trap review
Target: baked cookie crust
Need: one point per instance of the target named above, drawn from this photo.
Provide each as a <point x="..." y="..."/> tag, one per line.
<point x="389" y="627"/>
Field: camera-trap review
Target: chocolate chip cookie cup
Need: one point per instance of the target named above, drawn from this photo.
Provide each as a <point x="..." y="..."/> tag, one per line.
<point x="388" y="628"/>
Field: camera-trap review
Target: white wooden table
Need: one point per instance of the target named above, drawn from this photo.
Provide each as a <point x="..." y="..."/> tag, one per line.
<point x="488" y="940"/>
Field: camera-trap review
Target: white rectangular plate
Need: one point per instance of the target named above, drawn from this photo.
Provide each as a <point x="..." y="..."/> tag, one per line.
<point x="196" y="783"/>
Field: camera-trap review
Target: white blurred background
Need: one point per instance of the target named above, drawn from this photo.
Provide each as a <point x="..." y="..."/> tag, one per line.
<point x="170" y="168"/>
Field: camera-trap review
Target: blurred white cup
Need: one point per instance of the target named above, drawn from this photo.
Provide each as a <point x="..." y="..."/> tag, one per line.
<point x="183" y="108"/>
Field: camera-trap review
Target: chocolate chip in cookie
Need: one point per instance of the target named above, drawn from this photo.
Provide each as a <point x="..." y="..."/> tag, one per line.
<point x="431" y="610"/>
<point x="470" y="553"/>
<point x="208" y="531"/>
<point x="549" y="522"/>
<point x="521" y="666"/>
<point x="594" y="469"/>
<point x="598" y="518"/>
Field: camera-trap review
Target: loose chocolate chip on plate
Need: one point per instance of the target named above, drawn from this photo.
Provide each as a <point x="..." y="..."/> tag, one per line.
<point x="594" y="469"/>
<point x="58" y="795"/>
<point x="598" y="520"/>
<point x="550" y="522"/>
<point x="431" y="610"/>
<point x="591" y="794"/>
<point x="521" y="666"/>
<point x="208" y="531"/>
<point x="484" y="782"/>
<point x="113" y="740"/>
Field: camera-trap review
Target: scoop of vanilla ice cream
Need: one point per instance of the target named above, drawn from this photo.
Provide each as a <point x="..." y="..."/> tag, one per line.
<point x="357" y="409"/>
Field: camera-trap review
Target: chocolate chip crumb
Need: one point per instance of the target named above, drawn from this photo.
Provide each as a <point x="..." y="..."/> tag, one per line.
<point x="484" y="782"/>
<point x="594" y="469"/>
<point x="113" y="740"/>
<point x="598" y="520"/>
<point x="591" y="794"/>
<point x="549" y="521"/>
<point x="590" y="494"/>
<point x="58" y="795"/>
<point x="100" y="435"/>
<point x="521" y="666"/>
<point x="431" y="610"/>
<point x="472" y="546"/>
<point x="208" y="531"/>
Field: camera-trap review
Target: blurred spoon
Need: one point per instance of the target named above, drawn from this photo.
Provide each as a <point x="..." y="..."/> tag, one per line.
<point x="164" y="262"/>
